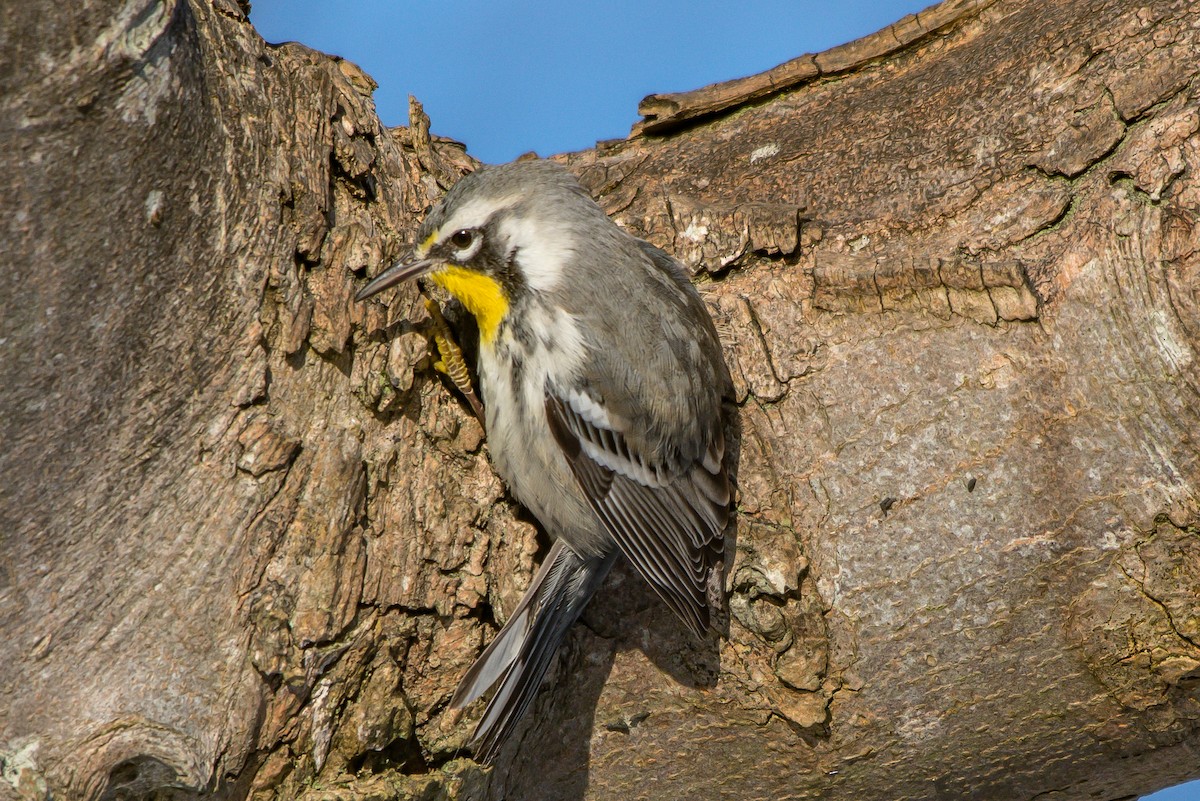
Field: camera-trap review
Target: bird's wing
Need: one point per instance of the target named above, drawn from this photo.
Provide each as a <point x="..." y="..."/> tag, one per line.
<point x="667" y="518"/>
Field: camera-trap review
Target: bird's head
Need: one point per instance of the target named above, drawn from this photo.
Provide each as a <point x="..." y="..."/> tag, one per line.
<point x="499" y="233"/>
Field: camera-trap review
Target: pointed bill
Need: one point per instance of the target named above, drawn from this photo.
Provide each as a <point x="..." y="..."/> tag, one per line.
<point x="396" y="274"/>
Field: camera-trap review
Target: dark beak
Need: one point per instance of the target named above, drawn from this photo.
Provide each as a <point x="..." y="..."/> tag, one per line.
<point x="397" y="273"/>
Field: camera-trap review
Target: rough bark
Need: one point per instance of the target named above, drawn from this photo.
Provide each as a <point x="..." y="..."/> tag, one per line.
<point x="251" y="542"/>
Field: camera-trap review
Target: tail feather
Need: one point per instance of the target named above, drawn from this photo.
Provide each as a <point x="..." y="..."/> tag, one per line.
<point x="501" y="652"/>
<point x="521" y="653"/>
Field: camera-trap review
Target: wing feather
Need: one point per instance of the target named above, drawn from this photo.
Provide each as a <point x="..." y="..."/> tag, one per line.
<point x="668" y="519"/>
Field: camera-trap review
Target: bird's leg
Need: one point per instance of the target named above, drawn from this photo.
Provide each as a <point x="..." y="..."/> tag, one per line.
<point x="450" y="358"/>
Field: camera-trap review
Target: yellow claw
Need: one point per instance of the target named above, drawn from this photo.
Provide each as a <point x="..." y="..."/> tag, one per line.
<point x="451" y="362"/>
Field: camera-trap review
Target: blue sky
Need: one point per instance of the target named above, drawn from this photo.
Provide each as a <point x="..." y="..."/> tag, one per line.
<point x="556" y="76"/>
<point x="507" y="78"/>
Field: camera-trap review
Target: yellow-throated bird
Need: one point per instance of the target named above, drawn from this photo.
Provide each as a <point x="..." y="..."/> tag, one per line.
<point x="606" y="397"/>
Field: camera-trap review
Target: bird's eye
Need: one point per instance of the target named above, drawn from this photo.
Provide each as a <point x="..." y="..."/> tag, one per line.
<point x="463" y="239"/>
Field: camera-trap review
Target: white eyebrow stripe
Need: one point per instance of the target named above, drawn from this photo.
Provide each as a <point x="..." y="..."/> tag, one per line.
<point x="474" y="214"/>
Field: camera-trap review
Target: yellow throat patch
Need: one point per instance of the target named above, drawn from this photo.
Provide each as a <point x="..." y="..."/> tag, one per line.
<point x="481" y="294"/>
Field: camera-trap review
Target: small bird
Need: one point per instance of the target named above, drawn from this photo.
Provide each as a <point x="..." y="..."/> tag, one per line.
<point x="606" y="398"/>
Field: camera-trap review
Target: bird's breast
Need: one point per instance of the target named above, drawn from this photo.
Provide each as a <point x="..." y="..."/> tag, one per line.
<point x="515" y="370"/>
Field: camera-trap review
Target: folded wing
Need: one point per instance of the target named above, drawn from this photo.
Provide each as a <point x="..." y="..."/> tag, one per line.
<point x="668" y="517"/>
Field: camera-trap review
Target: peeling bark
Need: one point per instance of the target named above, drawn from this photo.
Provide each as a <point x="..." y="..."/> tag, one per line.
<point x="251" y="541"/>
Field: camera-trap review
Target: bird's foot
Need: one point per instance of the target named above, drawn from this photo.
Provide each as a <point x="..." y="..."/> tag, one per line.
<point x="450" y="360"/>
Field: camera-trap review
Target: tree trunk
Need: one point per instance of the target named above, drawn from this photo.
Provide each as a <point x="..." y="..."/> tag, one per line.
<point x="251" y="541"/>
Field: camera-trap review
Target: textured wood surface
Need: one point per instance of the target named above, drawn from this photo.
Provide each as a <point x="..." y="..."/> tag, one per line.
<point x="251" y="541"/>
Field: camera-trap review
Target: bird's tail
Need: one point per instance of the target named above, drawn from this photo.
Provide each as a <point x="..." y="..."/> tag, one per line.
<point x="521" y="653"/>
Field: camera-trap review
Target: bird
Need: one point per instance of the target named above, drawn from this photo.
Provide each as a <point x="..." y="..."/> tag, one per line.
<point x="606" y="399"/>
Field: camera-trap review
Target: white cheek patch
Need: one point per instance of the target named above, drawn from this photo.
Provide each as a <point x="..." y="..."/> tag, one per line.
<point x="543" y="250"/>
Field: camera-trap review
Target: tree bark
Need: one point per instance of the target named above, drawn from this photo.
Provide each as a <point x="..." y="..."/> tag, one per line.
<point x="251" y="541"/>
